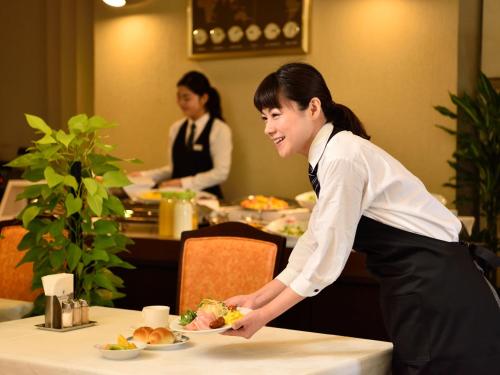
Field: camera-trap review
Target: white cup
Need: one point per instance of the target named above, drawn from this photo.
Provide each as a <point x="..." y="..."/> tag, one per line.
<point x="156" y="316"/>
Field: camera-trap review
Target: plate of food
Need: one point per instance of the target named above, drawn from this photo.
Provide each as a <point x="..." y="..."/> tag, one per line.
<point x="264" y="203"/>
<point x="158" y="338"/>
<point x="288" y="226"/>
<point x="211" y="316"/>
<point x="155" y="195"/>
<point x="307" y="199"/>
<point x="123" y="349"/>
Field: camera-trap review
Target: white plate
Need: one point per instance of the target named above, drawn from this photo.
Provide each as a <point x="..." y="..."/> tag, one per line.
<point x="174" y="325"/>
<point x="307" y="199"/>
<point x="288" y="226"/>
<point x="154" y="195"/>
<point x="120" y="355"/>
<point x="179" y="341"/>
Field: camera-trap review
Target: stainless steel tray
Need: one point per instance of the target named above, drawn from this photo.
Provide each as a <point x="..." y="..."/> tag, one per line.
<point x="66" y="329"/>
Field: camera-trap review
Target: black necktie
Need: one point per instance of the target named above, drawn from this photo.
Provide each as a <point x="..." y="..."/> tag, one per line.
<point x="190" y="140"/>
<point x="313" y="178"/>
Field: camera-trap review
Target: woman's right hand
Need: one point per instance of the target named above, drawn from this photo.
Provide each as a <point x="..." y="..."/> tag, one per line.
<point x="244" y="300"/>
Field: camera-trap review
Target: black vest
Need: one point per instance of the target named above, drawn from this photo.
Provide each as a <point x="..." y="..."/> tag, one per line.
<point x="189" y="162"/>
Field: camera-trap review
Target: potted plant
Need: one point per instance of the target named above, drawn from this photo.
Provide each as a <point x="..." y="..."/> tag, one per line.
<point x="480" y="148"/>
<point x="70" y="212"/>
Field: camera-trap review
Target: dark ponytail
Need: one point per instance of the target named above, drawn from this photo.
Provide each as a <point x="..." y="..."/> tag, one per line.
<point x="198" y="83"/>
<point x="300" y="83"/>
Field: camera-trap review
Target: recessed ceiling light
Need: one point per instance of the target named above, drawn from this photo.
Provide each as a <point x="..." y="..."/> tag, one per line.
<point x="115" y="3"/>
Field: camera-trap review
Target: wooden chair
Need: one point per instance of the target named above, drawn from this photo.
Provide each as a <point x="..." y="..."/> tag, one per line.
<point x="15" y="283"/>
<point x="225" y="260"/>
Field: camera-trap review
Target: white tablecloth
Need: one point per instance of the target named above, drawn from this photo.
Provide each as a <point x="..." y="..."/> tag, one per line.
<point x="25" y="349"/>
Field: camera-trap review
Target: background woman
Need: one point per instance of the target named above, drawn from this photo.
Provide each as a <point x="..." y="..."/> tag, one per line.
<point x="438" y="308"/>
<point x="200" y="144"/>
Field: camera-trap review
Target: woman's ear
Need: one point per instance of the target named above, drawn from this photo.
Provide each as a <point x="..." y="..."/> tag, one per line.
<point x="314" y="108"/>
<point x="204" y="99"/>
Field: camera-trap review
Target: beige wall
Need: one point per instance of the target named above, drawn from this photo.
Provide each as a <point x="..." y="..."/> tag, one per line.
<point x="45" y="68"/>
<point x="490" y="60"/>
<point x="390" y="61"/>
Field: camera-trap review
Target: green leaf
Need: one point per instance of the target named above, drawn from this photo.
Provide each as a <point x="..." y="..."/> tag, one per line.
<point x="29" y="214"/>
<point x="103" y="281"/>
<point x="72" y="204"/>
<point x="115" y="179"/>
<point x="24" y="160"/>
<point x="32" y="174"/>
<point x="29" y="256"/>
<point x="53" y="178"/>
<point x="57" y="258"/>
<point x="445" y="111"/>
<point x="95" y="204"/>
<point x="105" y="227"/>
<point x="64" y="138"/>
<point x="78" y="123"/>
<point x="101" y="191"/>
<point x="90" y="184"/>
<point x="37" y="123"/>
<point x="71" y="182"/>
<point x="46" y="140"/>
<point x="32" y="191"/>
<point x="115" y="205"/>
<point x="74" y="255"/>
<point x="97" y="122"/>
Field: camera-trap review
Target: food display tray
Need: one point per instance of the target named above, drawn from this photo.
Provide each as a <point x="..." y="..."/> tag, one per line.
<point x="66" y="329"/>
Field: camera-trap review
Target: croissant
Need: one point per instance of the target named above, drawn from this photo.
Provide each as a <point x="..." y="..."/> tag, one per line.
<point x="161" y="336"/>
<point x="142" y="334"/>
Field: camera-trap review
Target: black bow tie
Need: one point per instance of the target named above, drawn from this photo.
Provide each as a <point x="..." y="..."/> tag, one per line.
<point x="313" y="178"/>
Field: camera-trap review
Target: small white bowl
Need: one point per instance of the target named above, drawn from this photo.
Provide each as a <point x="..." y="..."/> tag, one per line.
<point x="120" y="355"/>
<point x="307" y="199"/>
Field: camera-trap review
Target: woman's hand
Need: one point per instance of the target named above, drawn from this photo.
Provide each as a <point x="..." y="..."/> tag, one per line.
<point x="175" y="182"/>
<point x="248" y="325"/>
<point x="244" y="300"/>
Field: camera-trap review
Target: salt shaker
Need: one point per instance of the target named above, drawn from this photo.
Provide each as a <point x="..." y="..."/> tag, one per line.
<point x="67" y="314"/>
<point x="85" y="311"/>
<point x="77" y="313"/>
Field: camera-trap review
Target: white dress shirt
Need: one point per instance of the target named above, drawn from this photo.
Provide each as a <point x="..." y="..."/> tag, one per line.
<point x="221" y="146"/>
<point x="358" y="178"/>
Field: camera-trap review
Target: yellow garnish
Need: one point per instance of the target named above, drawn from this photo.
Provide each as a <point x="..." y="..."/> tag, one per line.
<point x="232" y="316"/>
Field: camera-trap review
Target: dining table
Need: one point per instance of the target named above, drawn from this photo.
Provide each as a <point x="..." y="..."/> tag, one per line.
<point x="26" y="349"/>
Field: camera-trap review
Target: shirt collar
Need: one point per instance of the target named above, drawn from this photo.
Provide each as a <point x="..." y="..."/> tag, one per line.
<point x="318" y="144"/>
<point x="202" y="121"/>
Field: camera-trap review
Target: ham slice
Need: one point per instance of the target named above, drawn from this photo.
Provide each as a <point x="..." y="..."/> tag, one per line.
<point x="201" y="322"/>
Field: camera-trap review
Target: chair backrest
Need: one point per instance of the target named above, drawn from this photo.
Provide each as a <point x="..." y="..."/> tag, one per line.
<point x="15" y="283"/>
<point x="224" y="260"/>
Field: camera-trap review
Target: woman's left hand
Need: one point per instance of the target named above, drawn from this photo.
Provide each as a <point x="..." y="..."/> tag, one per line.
<point x="175" y="182"/>
<point x="248" y="325"/>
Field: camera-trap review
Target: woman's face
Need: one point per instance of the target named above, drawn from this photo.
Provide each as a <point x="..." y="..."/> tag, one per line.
<point x="290" y="129"/>
<point x="191" y="104"/>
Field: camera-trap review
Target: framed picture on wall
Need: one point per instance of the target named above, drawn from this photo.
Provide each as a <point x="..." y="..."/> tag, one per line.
<point x="233" y="28"/>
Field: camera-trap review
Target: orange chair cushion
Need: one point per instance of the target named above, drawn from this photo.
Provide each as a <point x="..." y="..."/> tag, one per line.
<point x="221" y="267"/>
<point x="15" y="283"/>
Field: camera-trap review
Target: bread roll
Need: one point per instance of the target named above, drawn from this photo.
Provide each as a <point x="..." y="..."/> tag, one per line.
<point x="142" y="334"/>
<point x="161" y="336"/>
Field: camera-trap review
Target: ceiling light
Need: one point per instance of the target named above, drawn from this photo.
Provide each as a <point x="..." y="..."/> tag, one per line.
<point x="115" y="3"/>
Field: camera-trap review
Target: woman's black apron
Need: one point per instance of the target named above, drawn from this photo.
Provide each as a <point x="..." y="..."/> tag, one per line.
<point x="438" y="309"/>
<point x="188" y="161"/>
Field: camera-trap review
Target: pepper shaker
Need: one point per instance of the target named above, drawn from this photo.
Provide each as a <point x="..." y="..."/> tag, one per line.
<point x="85" y="311"/>
<point x="77" y="313"/>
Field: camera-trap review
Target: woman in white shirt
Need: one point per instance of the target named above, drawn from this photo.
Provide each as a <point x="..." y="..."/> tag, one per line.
<point x="439" y="310"/>
<point x="200" y="144"/>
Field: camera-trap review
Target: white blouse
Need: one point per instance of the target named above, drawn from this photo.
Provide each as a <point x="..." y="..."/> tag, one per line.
<point x="221" y="147"/>
<point x="358" y="178"/>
